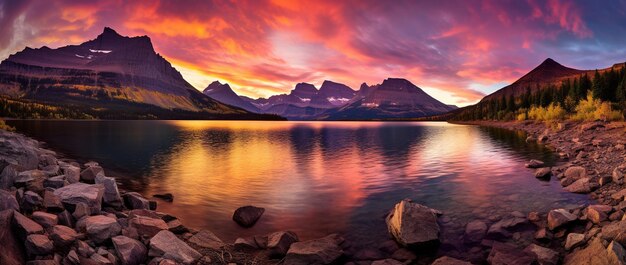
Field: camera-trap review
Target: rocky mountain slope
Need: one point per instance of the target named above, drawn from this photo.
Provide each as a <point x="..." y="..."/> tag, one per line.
<point x="111" y="76"/>
<point x="395" y="98"/>
<point x="223" y="93"/>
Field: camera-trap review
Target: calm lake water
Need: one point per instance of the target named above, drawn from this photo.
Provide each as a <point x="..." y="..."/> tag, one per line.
<point x="313" y="178"/>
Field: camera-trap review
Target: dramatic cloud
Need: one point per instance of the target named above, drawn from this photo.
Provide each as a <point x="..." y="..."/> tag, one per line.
<point x="456" y="50"/>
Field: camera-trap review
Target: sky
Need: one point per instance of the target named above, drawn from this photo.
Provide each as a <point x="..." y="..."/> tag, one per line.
<point x="457" y="51"/>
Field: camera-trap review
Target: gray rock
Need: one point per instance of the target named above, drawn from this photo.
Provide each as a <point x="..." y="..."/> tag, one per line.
<point x="247" y="216"/>
<point x="12" y="252"/>
<point x="574" y="240"/>
<point x="55" y="182"/>
<point x="45" y="219"/>
<point x="130" y="251"/>
<point x="412" y="224"/>
<point x="279" y="242"/>
<point x="62" y="236"/>
<point x="99" y="228"/>
<point x="559" y="217"/>
<point x="38" y="245"/>
<point x="89" y="174"/>
<point x="134" y="200"/>
<point x="146" y="226"/>
<point x="206" y="239"/>
<point x="545" y="256"/>
<point x="8" y="201"/>
<point x="111" y="193"/>
<point x="325" y="250"/>
<point x="81" y="192"/>
<point x="166" y="244"/>
<point x="72" y="173"/>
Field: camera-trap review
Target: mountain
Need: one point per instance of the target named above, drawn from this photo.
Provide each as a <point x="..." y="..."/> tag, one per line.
<point x="548" y="72"/>
<point x="305" y="101"/>
<point x="395" y="98"/>
<point x="111" y="76"/>
<point x="223" y="93"/>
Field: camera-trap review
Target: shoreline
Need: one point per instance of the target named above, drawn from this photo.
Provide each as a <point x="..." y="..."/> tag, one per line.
<point x="498" y="239"/>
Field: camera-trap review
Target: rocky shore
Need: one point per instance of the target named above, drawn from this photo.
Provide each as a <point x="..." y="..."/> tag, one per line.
<point x="56" y="211"/>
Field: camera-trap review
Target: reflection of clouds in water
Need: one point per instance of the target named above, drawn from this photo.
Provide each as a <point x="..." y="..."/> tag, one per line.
<point x="317" y="177"/>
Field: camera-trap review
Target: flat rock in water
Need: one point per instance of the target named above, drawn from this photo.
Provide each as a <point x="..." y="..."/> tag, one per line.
<point x="445" y="260"/>
<point x="166" y="244"/>
<point x="81" y="192"/>
<point x="168" y="197"/>
<point x="206" y="239"/>
<point x="247" y="216"/>
<point x="544" y="172"/>
<point x="317" y="251"/>
<point x="533" y="163"/>
<point x="413" y="224"/>
<point x="134" y="200"/>
<point x="559" y="217"/>
<point x="130" y="251"/>
<point x="475" y="231"/>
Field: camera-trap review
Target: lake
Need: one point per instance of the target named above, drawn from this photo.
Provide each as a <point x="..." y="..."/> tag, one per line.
<point x="314" y="178"/>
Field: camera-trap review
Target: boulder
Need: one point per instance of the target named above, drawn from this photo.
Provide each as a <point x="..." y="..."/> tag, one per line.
<point x="505" y="254"/>
<point x="594" y="253"/>
<point x="616" y="253"/>
<point x="55" y="182"/>
<point x="279" y="242"/>
<point x="245" y="243"/>
<point x="545" y="256"/>
<point x="72" y="173"/>
<point x="413" y="224"/>
<point x="80" y="192"/>
<point x="12" y="251"/>
<point x="582" y="185"/>
<point x="619" y="196"/>
<point x="32" y="180"/>
<point x="81" y="210"/>
<point x="134" y="200"/>
<point x="533" y="163"/>
<point x="618" y="174"/>
<point x="26" y="226"/>
<point x="598" y="213"/>
<point x="30" y="201"/>
<point x="573" y="240"/>
<point x="325" y="250"/>
<point x="89" y="174"/>
<point x="206" y="239"/>
<point x="130" y="251"/>
<point x="100" y="228"/>
<point x="62" y="236"/>
<point x="247" y="216"/>
<point x="475" y="231"/>
<point x="575" y="172"/>
<point x="38" y="245"/>
<point x="559" y="217"/>
<point x="615" y="231"/>
<point x="8" y="201"/>
<point x="111" y="193"/>
<point x="146" y="226"/>
<point x="52" y="202"/>
<point x="45" y="219"/>
<point x="542" y="173"/>
<point x="500" y="229"/>
<point x="166" y="244"/>
<point x="8" y="176"/>
<point x="445" y="260"/>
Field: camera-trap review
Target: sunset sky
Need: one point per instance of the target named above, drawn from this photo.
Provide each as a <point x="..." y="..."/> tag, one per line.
<point x="457" y="51"/>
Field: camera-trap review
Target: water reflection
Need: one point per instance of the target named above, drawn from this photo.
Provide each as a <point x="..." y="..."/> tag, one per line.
<point x="314" y="178"/>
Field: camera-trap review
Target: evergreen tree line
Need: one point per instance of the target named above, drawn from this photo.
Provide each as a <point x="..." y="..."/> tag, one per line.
<point x="607" y="86"/>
